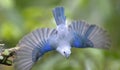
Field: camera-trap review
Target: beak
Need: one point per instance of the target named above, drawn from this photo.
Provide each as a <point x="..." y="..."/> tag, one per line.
<point x="67" y="57"/>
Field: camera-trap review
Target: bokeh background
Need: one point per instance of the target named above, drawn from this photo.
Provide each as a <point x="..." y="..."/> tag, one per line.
<point x="19" y="17"/>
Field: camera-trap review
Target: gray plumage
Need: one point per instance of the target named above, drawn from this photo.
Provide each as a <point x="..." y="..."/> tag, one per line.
<point x="78" y="34"/>
<point x="30" y="46"/>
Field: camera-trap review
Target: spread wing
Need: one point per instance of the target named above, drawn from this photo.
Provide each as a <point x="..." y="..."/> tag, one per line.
<point x="32" y="47"/>
<point x="86" y="35"/>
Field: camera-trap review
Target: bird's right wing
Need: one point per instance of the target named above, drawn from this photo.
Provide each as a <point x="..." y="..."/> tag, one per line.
<point x="86" y="35"/>
<point x="32" y="47"/>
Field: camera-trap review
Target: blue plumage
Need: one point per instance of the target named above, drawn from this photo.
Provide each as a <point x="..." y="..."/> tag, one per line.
<point x="90" y="29"/>
<point x="77" y="41"/>
<point x="59" y="16"/>
<point x="81" y="42"/>
<point x="78" y="34"/>
<point x="36" y="54"/>
<point x="46" y="48"/>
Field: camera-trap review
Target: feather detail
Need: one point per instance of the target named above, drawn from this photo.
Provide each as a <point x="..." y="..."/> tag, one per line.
<point x="88" y="35"/>
<point x="79" y="27"/>
<point x="58" y="14"/>
<point x="78" y="30"/>
<point x="32" y="47"/>
<point x="99" y="38"/>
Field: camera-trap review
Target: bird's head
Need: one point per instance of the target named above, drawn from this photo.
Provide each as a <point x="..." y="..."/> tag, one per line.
<point x="64" y="50"/>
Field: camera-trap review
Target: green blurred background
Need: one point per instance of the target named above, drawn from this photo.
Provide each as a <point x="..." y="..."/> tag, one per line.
<point x="19" y="17"/>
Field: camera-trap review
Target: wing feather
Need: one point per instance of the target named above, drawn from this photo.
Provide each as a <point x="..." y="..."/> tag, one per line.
<point x="30" y="48"/>
<point x="88" y="35"/>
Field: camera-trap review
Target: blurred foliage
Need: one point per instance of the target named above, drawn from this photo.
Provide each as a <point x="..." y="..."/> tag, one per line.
<point x="19" y="17"/>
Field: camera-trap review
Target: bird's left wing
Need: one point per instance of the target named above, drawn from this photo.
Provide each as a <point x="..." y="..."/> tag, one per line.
<point x="86" y="35"/>
<point x="32" y="47"/>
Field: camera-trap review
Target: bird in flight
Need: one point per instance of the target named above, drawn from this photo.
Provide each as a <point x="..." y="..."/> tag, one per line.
<point x="78" y="34"/>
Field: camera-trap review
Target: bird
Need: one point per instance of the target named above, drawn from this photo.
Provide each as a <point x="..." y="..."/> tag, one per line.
<point x="77" y="34"/>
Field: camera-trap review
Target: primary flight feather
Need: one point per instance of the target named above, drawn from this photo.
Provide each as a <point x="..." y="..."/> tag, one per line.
<point x="78" y="34"/>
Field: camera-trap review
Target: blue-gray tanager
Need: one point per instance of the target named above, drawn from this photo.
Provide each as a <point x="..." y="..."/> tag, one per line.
<point x="78" y="34"/>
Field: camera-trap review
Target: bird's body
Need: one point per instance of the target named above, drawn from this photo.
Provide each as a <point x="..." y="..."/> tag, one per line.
<point x="78" y="34"/>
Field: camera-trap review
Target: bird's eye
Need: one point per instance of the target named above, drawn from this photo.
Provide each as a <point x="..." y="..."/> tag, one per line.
<point x="64" y="52"/>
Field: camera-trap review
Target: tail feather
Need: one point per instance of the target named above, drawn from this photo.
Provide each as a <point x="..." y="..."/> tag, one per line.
<point x="91" y="33"/>
<point x="59" y="16"/>
<point x="30" y="48"/>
